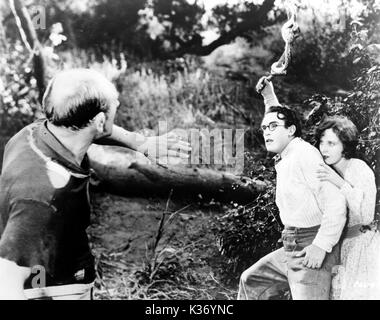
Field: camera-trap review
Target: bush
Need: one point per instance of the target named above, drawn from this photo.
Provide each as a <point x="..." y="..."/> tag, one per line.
<point x="320" y="57"/>
<point x="362" y="105"/>
<point x="185" y="95"/>
<point x="18" y="91"/>
<point x="247" y="233"/>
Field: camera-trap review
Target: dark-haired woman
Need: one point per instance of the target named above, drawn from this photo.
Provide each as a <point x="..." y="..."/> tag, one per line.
<point x="358" y="276"/>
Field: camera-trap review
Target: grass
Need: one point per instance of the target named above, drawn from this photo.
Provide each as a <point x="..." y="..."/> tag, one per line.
<point x="183" y="261"/>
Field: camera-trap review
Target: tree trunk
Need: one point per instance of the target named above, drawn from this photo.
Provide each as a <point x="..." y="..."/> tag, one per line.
<point x="3" y="63"/>
<point x="3" y="42"/>
<point x="125" y="172"/>
<point x="30" y="39"/>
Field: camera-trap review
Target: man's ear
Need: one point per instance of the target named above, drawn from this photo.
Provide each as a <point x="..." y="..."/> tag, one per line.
<point x="100" y="121"/>
<point x="292" y="130"/>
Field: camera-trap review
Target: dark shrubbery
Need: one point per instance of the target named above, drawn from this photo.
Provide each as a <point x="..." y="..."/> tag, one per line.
<point x="362" y="104"/>
<point x="247" y="233"/>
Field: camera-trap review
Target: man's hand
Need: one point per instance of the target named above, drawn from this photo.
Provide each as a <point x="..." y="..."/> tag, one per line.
<point x="265" y="87"/>
<point x="314" y="256"/>
<point x="169" y="146"/>
<point x="326" y="173"/>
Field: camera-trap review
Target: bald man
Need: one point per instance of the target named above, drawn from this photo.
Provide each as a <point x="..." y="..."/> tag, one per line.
<point x="44" y="200"/>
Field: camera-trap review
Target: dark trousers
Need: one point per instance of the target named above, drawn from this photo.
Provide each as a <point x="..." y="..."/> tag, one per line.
<point x="282" y="270"/>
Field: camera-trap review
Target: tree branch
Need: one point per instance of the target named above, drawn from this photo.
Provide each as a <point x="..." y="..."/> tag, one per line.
<point x="194" y="47"/>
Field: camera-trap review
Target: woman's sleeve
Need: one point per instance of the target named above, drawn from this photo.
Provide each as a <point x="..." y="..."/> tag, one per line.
<point x="361" y="196"/>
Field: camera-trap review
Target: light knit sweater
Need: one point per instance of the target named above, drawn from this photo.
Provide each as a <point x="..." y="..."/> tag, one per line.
<point x="303" y="200"/>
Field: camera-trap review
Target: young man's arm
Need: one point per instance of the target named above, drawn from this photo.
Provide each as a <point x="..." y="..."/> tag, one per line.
<point x="12" y="279"/>
<point x="265" y="87"/>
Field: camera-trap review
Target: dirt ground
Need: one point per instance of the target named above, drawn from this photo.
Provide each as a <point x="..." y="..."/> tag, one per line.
<point x="185" y="264"/>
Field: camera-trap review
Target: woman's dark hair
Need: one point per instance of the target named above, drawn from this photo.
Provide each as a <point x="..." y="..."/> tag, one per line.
<point x="289" y="116"/>
<point x="344" y="129"/>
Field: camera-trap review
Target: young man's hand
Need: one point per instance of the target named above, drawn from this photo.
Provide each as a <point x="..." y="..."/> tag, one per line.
<point x="265" y="87"/>
<point x="314" y="256"/>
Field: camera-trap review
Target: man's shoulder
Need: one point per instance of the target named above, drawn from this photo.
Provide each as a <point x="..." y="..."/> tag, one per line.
<point x="19" y="142"/>
<point x="24" y="173"/>
<point x="27" y="183"/>
<point x="18" y="149"/>
<point x="22" y="134"/>
<point x="305" y="151"/>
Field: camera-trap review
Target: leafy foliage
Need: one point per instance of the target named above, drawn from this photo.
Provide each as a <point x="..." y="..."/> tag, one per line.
<point x="226" y="17"/>
<point x="362" y="105"/>
<point x="247" y="233"/>
<point x="148" y="29"/>
<point x="19" y="103"/>
<point x="320" y="55"/>
<point x="18" y="91"/>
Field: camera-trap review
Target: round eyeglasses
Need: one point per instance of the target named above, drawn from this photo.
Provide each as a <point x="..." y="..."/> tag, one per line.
<point x="272" y="126"/>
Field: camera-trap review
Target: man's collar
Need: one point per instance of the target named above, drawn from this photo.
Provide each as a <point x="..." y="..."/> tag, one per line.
<point x="288" y="149"/>
<point x="277" y="159"/>
<point x="58" y="152"/>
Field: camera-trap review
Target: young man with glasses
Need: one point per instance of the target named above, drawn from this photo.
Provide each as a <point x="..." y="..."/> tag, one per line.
<point x="313" y="214"/>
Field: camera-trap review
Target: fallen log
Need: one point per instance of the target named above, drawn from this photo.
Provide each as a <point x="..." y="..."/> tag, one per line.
<point x="126" y="172"/>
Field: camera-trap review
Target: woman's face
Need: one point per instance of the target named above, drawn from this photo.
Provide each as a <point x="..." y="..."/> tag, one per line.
<point x="331" y="147"/>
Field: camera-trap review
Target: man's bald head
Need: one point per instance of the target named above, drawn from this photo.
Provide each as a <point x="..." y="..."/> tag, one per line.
<point x="74" y="97"/>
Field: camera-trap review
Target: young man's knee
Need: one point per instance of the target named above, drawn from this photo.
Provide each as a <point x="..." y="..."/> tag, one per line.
<point x="244" y="276"/>
<point x="250" y="273"/>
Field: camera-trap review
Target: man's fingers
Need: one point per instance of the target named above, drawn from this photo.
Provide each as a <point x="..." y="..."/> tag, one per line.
<point x="178" y="153"/>
<point x="316" y="265"/>
<point x="184" y="145"/>
<point x="309" y="264"/>
<point x="180" y="147"/>
<point x="301" y="253"/>
<point x="172" y="138"/>
<point x="262" y="83"/>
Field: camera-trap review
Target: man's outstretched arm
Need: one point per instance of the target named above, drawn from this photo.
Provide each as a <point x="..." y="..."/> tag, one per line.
<point x="165" y="145"/>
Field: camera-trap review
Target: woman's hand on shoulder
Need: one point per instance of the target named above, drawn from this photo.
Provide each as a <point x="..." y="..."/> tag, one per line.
<point x="326" y="173"/>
